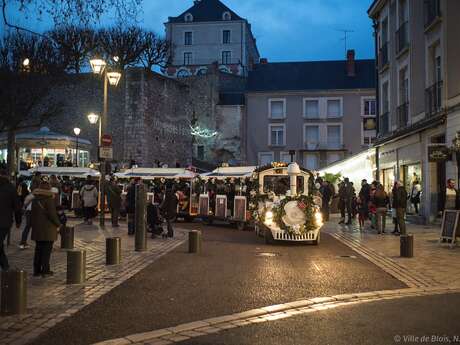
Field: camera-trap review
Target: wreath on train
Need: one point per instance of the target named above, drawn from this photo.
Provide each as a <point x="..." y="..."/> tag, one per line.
<point x="295" y="215"/>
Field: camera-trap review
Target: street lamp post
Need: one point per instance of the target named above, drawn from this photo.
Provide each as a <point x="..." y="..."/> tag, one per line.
<point x="76" y="131"/>
<point x="99" y="67"/>
<point x="456" y="149"/>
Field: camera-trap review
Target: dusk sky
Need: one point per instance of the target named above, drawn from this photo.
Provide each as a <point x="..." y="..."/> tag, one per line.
<point x="287" y="30"/>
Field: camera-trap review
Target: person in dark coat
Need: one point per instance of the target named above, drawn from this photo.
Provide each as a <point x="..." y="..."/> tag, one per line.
<point x="45" y="223"/>
<point x="168" y="209"/>
<point x="400" y="205"/>
<point x="326" y="195"/>
<point x="131" y="204"/>
<point x="114" y="201"/>
<point x="9" y="206"/>
<point x="364" y="196"/>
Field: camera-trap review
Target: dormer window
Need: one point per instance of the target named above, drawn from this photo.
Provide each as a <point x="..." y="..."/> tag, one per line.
<point x="188" y="17"/>
<point x="226" y="16"/>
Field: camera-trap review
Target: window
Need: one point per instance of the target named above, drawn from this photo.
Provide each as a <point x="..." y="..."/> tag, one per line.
<point x="311" y="108"/>
<point x="385" y="99"/>
<point x="369" y="107"/>
<point x="226" y="16"/>
<point x="277" y="108"/>
<point x="334" y="136"/>
<point x="265" y="158"/>
<point x="188" y="17"/>
<point x="188" y="36"/>
<point x="226" y="36"/>
<point x="368" y="140"/>
<point x="285" y="157"/>
<point x="276" y="135"/>
<point x="311" y="161"/>
<point x="187" y="58"/>
<point x="333" y="157"/>
<point x="200" y="152"/>
<point x="312" y="137"/>
<point x="226" y="57"/>
<point x="403" y="86"/>
<point x="334" y="108"/>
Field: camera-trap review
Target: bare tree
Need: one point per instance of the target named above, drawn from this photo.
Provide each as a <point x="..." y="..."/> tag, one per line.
<point x="126" y="44"/>
<point x="74" y="45"/>
<point x="157" y="51"/>
<point x="25" y="87"/>
<point x="64" y="12"/>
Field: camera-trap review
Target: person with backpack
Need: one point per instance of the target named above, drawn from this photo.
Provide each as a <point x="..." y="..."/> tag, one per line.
<point x="45" y="224"/>
<point x="381" y="202"/>
<point x="89" y="198"/>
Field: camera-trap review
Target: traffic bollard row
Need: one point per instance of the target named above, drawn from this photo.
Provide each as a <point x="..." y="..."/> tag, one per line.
<point x="67" y="237"/>
<point x="76" y="266"/>
<point x="407" y="246"/>
<point x="194" y="241"/>
<point x="13" y="293"/>
<point x="113" y="251"/>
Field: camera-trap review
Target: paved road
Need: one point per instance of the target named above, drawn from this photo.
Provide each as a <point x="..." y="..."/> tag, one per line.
<point x="412" y="320"/>
<point x="229" y="276"/>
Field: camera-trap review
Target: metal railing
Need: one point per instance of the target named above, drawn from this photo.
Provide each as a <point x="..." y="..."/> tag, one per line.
<point x="383" y="55"/>
<point x="433" y="99"/>
<point x="432" y="11"/>
<point x="403" y="115"/>
<point x="402" y="37"/>
<point x="384" y="124"/>
<point x="323" y="145"/>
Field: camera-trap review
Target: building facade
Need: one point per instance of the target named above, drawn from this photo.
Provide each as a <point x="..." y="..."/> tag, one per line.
<point x="206" y="33"/>
<point x="323" y="110"/>
<point x="418" y="94"/>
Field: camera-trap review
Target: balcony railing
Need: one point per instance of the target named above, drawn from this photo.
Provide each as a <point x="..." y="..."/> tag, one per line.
<point x="383" y="55"/>
<point x="310" y="145"/>
<point x="403" y="115"/>
<point x="432" y="11"/>
<point x="384" y="124"/>
<point x="402" y="37"/>
<point x="433" y="99"/>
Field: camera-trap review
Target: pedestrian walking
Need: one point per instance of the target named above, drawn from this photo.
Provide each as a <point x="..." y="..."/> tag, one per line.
<point x="45" y="223"/>
<point x="114" y="200"/>
<point x="27" y="209"/>
<point x="364" y="196"/>
<point x="400" y="204"/>
<point x="168" y="209"/>
<point x="415" y="194"/>
<point x="36" y="179"/>
<point x="381" y="202"/>
<point x="348" y="193"/>
<point x="10" y="208"/>
<point x="131" y="204"/>
<point x="326" y="195"/>
<point x="89" y="196"/>
<point x="362" y="209"/>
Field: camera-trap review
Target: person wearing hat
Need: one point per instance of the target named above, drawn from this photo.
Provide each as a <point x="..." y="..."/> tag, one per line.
<point x="45" y="224"/>
<point x="10" y="207"/>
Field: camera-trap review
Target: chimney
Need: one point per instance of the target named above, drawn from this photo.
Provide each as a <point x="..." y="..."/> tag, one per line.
<point x="351" y="68"/>
<point x="263" y="61"/>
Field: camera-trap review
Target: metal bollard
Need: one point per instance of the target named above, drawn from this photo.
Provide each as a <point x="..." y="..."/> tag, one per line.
<point x="13" y="293"/>
<point x="113" y="251"/>
<point x="76" y="266"/>
<point x="407" y="246"/>
<point x="140" y="240"/>
<point x="194" y="241"/>
<point x="67" y="237"/>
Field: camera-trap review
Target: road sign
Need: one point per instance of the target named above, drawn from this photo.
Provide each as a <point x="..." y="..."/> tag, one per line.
<point x="106" y="152"/>
<point x="106" y="140"/>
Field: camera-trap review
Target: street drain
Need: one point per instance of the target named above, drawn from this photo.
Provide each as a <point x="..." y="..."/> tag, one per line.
<point x="346" y="256"/>
<point x="267" y="254"/>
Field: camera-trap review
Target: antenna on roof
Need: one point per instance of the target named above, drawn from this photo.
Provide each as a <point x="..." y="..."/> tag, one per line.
<point x="345" y="37"/>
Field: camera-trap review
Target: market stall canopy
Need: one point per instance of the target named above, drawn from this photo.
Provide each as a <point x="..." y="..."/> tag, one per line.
<point x="64" y="171"/>
<point x="45" y="138"/>
<point x="152" y="173"/>
<point x="225" y="172"/>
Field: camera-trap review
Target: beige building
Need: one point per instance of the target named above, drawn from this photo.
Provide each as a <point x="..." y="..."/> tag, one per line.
<point x="418" y="92"/>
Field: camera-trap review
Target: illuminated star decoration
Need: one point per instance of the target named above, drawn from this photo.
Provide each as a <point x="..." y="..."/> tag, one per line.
<point x="197" y="131"/>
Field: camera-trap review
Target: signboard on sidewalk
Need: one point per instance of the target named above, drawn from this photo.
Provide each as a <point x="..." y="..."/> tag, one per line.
<point x="450" y="222"/>
<point x="106" y="152"/>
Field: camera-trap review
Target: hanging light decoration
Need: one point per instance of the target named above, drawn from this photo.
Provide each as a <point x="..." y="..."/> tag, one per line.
<point x="206" y="133"/>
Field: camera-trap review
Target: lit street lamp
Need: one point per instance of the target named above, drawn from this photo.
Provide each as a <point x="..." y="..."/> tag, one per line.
<point x="99" y="67"/>
<point x="76" y="131"/>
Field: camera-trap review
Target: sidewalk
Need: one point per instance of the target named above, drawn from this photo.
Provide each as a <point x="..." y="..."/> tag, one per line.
<point x="433" y="264"/>
<point x="50" y="300"/>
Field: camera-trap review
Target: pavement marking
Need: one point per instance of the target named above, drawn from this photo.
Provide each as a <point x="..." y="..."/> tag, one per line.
<point x="270" y="313"/>
<point x="409" y="277"/>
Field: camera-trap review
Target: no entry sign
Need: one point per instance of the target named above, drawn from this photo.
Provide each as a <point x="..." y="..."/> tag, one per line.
<point x="106" y="140"/>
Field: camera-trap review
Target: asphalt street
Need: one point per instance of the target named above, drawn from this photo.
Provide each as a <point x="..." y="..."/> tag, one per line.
<point x="411" y="320"/>
<point x="235" y="272"/>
